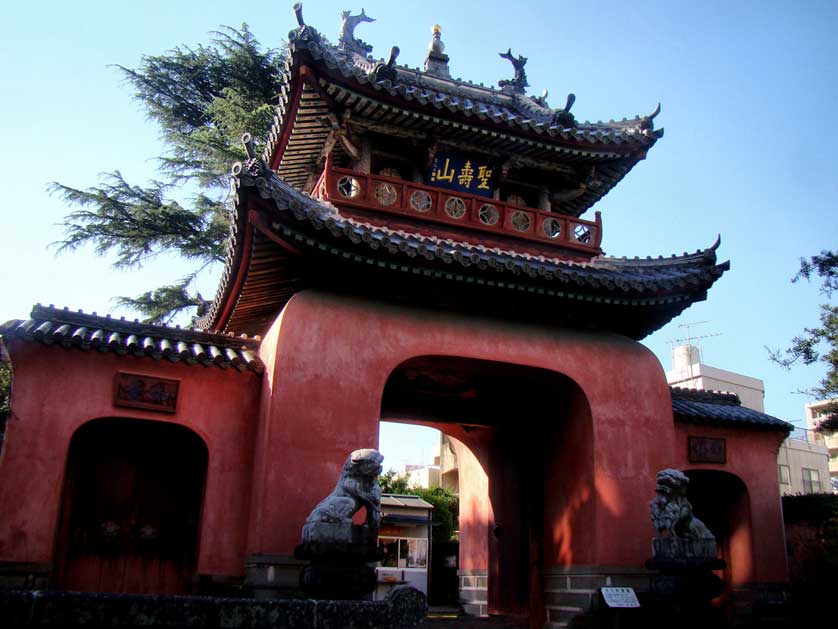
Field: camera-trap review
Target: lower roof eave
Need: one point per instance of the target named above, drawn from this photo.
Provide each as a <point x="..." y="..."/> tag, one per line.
<point x="320" y="239"/>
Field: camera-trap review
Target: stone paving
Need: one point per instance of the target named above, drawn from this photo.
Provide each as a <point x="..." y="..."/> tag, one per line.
<point x="445" y="618"/>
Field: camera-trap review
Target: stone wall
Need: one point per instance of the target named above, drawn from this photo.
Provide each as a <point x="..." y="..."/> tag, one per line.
<point x="571" y="594"/>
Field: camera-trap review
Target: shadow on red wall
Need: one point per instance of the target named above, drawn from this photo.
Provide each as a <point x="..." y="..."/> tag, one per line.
<point x="720" y="500"/>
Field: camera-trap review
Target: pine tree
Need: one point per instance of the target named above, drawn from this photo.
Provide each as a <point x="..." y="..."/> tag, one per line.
<point x="819" y="344"/>
<point x="203" y="99"/>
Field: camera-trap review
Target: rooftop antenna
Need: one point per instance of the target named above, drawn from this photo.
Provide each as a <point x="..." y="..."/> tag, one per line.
<point x="690" y="339"/>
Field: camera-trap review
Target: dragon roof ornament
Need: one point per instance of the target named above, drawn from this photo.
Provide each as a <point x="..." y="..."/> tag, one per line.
<point x="347" y="40"/>
<point x="517" y="84"/>
<point x="510" y="104"/>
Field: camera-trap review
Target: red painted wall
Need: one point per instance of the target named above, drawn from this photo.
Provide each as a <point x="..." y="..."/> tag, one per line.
<point x="471" y="447"/>
<point x="276" y="444"/>
<point x="475" y="509"/>
<point x="56" y="390"/>
<point x="758" y="554"/>
<point x="329" y="358"/>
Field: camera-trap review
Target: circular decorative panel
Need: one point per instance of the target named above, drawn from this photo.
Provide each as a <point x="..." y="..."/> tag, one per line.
<point x="349" y="187"/>
<point x="420" y="201"/>
<point x="455" y="208"/>
<point x="385" y="194"/>
<point x="488" y="214"/>
<point x="552" y="227"/>
<point x="521" y="221"/>
<point x="582" y="233"/>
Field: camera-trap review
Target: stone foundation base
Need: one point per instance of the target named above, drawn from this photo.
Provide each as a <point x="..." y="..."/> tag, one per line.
<point x="272" y="576"/>
<point x="24" y="576"/>
<point x="571" y="594"/>
<point x="404" y="607"/>
<point x="572" y="599"/>
<point x="473" y="592"/>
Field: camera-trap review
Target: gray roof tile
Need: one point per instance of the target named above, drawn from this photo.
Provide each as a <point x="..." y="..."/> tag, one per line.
<point x="696" y="406"/>
<point x="54" y="326"/>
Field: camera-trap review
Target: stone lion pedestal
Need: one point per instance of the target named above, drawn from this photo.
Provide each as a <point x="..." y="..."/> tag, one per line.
<point x="684" y="551"/>
<point x="340" y="555"/>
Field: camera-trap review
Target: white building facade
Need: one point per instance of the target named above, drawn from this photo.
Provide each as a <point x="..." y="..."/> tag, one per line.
<point x="814" y="413"/>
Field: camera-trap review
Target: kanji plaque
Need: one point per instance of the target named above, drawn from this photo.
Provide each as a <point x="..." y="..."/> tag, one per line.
<point x="707" y="450"/>
<point x="146" y="392"/>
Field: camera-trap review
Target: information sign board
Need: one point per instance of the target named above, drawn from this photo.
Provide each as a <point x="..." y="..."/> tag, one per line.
<point x="620" y="597"/>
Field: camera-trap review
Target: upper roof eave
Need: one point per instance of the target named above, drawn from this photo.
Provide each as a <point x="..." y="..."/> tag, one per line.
<point x="509" y="111"/>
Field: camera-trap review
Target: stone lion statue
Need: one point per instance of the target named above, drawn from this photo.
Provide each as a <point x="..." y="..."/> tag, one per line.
<point x="357" y="487"/>
<point x="672" y="514"/>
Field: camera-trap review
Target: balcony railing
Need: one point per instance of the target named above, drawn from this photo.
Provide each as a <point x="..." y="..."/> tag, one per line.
<point x="344" y="187"/>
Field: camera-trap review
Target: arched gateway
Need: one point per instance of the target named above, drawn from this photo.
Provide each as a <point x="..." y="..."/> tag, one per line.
<point x="410" y="247"/>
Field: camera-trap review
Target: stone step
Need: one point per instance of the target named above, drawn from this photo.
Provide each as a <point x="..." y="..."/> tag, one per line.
<point x="563" y="613"/>
<point x="476" y="609"/>
<point x="570" y="598"/>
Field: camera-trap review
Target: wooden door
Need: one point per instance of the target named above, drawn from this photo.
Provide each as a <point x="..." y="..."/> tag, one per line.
<point x="131" y="508"/>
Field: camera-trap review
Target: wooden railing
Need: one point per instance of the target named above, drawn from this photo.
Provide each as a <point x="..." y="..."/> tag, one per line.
<point x="344" y="187"/>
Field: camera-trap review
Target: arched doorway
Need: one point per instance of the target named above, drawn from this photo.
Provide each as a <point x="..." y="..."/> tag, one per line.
<point x="720" y="500"/>
<point x="131" y="508"/>
<point x="529" y="430"/>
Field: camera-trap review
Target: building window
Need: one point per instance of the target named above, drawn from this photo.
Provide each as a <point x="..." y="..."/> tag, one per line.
<point x="785" y="474"/>
<point x="404" y="553"/>
<point x="811" y="481"/>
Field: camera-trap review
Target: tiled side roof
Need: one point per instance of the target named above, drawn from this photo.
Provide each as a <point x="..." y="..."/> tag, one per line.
<point x="720" y="408"/>
<point x="54" y="326"/>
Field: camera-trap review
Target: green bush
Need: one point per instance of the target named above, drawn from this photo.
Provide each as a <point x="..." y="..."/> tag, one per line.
<point x="445" y="513"/>
<point x="812" y="541"/>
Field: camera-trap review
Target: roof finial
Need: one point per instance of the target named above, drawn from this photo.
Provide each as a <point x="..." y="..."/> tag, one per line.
<point x="436" y="62"/>
<point x="519" y="82"/>
<point x="298" y="11"/>
<point x="247" y="142"/>
<point x="386" y="71"/>
<point x="347" y="39"/>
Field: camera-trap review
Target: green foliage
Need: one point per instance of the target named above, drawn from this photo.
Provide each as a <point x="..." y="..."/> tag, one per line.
<point x="203" y="99"/>
<point x="446" y="504"/>
<point x="391" y="483"/>
<point x="445" y="513"/>
<point x="814" y="509"/>
<point x="819" y="344"/>
<point x="5" y="396"/>
<point x="812" y="541"/>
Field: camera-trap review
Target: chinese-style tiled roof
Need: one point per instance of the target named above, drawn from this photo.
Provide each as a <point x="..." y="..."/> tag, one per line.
<point x="405" y="100"/>
<point x="62" y="327"/>
<point x="404" y="500"/>
<point x="314" y="228"/>
<point x="717" y="408"/>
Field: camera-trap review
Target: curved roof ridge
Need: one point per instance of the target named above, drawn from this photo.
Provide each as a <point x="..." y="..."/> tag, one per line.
<point x="514" y="109"/>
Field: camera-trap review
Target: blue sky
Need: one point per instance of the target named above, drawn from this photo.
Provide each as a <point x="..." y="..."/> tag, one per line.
<point x="748" y="93"/>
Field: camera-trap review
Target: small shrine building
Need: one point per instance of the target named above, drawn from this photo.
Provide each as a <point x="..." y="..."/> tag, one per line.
<point x="407" y="247"/>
